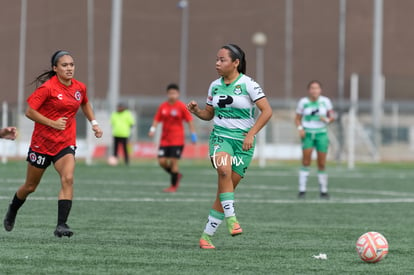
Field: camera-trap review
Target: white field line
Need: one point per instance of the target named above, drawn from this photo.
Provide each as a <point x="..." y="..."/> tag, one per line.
<point x="244" y="185"/>
<point x="244" y="201"/>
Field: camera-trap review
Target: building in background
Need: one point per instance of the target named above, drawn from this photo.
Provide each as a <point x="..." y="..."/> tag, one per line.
<point x="151" y="33"/>
<point x="151" y="43"/>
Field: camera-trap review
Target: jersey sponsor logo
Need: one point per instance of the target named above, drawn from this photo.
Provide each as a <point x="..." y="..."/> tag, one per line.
<point x="228" y="113"/>
<point x="237" y="90"/>
<point x="224" y="100"/>
<point x="315" y="111"/>
<point x="60" y="96"/>
<point x="32" y="157"/>
<point x="78" y="95"/>
<point x="220" y="116"/>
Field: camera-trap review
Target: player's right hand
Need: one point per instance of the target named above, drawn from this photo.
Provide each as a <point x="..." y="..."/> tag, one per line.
<point x="192" y="106"/>
<point x="302" y="133"/>
<point x="60" y="124"/>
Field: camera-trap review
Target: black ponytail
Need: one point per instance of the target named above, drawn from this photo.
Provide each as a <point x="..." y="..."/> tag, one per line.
<point x="42" y="78"/>
<point x="237" y="53"/>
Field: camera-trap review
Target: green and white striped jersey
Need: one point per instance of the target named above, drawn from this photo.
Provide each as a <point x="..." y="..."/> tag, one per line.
<point x="312" y="111"/>
<point x="234" y="106"/>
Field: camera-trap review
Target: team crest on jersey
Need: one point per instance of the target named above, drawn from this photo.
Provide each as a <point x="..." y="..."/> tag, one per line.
<point x="32" y="157"/>
<point x="78" y="95"/>
<point x="174" y="112"/>
<point x="237" y="90"/>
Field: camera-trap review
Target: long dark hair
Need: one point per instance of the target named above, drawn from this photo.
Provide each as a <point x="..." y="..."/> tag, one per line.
<point x="42" y="78"/>
<point x="237" y="53"/>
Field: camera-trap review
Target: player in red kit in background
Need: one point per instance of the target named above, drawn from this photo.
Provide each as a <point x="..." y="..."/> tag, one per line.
<point x="53" y="107"/>
<point x="171" y="114"/>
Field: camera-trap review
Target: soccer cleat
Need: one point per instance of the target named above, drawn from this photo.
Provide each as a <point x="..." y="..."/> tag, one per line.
<point x="233" y="226"/>
<point x="63" y="230"/>
<point x="205" y="242"/>
<point x="171" y="189"/>
<point x="325" y="196"/>
<point x="301" y="195"/>
<point x="9" y="220"/>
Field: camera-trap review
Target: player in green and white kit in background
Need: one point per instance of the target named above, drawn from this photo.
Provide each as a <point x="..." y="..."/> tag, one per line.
<point x="313" y="114"/>
<point x="231" y="103"/>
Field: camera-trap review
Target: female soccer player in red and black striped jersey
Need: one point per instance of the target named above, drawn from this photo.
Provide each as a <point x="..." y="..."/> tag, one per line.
<point x="53" y="107"/>
<point x="171" y="114"/>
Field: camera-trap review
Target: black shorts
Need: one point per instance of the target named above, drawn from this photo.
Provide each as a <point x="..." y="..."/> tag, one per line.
<point x="43" y="161"/>
<point x="170" y="151"/>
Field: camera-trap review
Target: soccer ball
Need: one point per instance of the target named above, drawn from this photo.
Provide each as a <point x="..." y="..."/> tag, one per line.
<point x="372" y="247"/>
<point x="113" y="161"/>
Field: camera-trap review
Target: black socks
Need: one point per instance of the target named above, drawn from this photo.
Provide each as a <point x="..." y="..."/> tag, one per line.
<point x="16" y="203"/>
<point x="174" y="178"/>
<point x="64" y="207"/>
<point x="168" y="170"/>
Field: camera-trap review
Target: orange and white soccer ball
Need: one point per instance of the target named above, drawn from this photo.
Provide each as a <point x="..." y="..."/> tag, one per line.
<point x="372" y="247"/>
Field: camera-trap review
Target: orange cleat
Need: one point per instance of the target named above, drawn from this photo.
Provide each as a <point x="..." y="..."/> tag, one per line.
<point x="233" y="226"/>
<point x="205" y="242"/>
<point x="171" y="189"/>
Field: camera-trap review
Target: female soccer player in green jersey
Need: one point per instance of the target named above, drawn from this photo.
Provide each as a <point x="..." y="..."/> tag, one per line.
<point x="313" y="114"/>
<point x="231" y="104"/>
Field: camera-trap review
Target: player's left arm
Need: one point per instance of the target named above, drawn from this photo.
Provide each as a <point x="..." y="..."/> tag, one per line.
<point x="265" y="115"/>
<point x="88" y="112"/>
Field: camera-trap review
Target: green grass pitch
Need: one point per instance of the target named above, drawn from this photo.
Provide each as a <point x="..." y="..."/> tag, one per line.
<point x="124" y="224"/>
